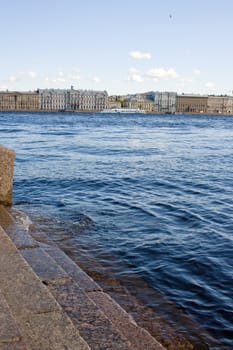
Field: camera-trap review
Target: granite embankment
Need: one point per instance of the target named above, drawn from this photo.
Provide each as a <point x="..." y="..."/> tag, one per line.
<point x="46" y="301"/>
<point x="7" y="157"/>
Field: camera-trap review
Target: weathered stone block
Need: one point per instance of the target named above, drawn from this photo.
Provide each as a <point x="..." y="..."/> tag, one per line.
<point x="51" y="331"/>
<point x="22" y="289"/>
<point x="6" y="175"/>
<point x="18" y="345"/>
<point x="8" y="328"/>
<point x="84" y="281"/>
<point x="44" y="266"/>
<point x="91" y="322"/>
<point x="21" y="238"/>
<point x="138" y="337"/>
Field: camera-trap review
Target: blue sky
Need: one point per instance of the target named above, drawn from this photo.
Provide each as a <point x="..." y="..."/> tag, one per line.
<point x="122" y="46"/>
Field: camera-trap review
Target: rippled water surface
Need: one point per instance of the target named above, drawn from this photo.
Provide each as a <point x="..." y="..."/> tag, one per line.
<point x="144" y="203"/>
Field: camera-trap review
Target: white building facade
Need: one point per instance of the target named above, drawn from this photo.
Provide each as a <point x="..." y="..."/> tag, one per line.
<point x="72" y="100"/>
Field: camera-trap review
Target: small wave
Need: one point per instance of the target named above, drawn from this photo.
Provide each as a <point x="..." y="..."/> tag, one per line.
<point x="22" y="203"/>
<point x="22" y="219"/>
<point x="132" y="206"/>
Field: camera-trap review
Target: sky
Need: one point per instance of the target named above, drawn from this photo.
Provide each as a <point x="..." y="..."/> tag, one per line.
<point x="122" y="46"/>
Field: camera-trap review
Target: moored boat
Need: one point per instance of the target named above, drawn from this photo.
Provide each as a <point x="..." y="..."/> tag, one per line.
<point x="124" y="110"/>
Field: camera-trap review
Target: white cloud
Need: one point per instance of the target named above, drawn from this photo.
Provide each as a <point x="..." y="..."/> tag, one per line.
<point x="186" y="80"/>
<point x="75" y="77"/>
<point x="133" y="70"/>
<point x="19" y="76"/>
<point x="60" y="80"/>
<point x="96" y="79"/>
<point x="210" y="85"/>
<point x="154" y="74"/>
<point x="32" y="75"/>
<point x="76" y="69"/>
<point x="12" y="79"/>
<point x="29" y="74"/>
<point x="55" y="80"/>
<point x="161" y="73"/>
<point x="138" y="55"/>
<point x="196" y="72"/>
<point x="63" y="78"/>
<point x="135" y="75"/>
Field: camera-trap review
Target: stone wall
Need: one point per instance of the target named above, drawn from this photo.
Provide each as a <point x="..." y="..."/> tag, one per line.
<point x="6" y="175"/>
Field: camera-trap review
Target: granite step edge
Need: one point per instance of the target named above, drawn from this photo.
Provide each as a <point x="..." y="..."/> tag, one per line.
<point x="51" y="274"/>
<point x="123" y="321"/>
<point x="98" y="304"/>
<point x="93" y="324"/>
<point x="139" y="337"/>
<point x="31" y="303"/>
<point x="10" y="335"/>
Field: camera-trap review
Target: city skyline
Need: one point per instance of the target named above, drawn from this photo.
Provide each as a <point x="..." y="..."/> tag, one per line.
<point x="122" y="47"/>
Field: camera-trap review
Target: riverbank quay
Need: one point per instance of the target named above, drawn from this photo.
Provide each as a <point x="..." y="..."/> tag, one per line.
<point x="47" y="302"/>
<point x="7" y="157"/>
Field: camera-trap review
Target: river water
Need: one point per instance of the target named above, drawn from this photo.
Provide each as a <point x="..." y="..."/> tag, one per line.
<point x="144" y="203"/>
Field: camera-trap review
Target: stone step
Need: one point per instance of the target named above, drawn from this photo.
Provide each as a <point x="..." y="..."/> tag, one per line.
<point x="6" y="175"/>
<point x="39" y="318"/>
<point x="85" y="282"/>
<point x="17" y="233"/>
<point x="93" y="325"/>
<point x="10" y="336"/>
<point x="99" y="319"/>
<point x="138" y="337"/>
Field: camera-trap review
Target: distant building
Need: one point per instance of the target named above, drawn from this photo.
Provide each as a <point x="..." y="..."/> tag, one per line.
<point x="72" y="100"/>
<point x="144" y="101"/>
<point x="228" y="105"/>
<point x="146" y="105"/>
<point x="19" y="101"/>
<point x="91" y="101"/>
<point x="165" y="102"/>
<point x="52" y="99"/>
<point x="113" y="102"/>
<point x="145" y="96"/>
<point x="220" y="105"/>
<point x="191" y="104"/>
